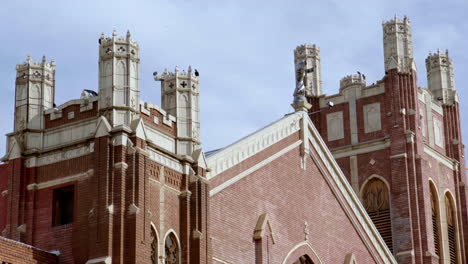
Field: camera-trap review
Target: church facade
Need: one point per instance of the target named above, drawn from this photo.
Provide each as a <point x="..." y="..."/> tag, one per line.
<point x="108" y="178"/>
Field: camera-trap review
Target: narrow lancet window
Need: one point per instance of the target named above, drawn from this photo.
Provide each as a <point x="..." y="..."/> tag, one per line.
<point x="375" y="197"/>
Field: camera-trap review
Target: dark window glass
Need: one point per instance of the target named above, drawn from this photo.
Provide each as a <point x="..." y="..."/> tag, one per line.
<point x="63" y="205"/>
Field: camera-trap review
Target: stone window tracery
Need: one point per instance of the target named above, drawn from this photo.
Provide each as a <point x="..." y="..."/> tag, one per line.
<point x="172" y="250"/>
<point x="304" y="259"/>
<point x="154" y="247"/>
<point x="375" y="198"/>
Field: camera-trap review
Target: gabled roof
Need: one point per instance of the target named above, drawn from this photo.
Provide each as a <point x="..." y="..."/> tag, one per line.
<point x="223" y="159"/>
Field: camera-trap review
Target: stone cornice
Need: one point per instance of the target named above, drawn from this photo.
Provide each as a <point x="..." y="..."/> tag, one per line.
<point x="253" y="144"/>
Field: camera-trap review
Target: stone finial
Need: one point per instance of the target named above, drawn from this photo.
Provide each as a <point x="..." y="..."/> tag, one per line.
<point x="176" y="69"/>
<point x="114" y="33"/>
<point x="43" y="59"/>
<point x="28" y="59"/>
<point x="189" y="69"/>
<point x="128" y="35"/>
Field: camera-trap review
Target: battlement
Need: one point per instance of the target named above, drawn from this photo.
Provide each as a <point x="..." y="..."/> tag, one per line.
<point x="118" y="46"/>
<point x="438" y="59"/>
<point x="36" y="70"/>
<point x="306" y="49"/>
<point x="352" y="80"/>
<point x="177" y="76"/>
<point x="396" y="21"/>
<point x="106" y="41"/>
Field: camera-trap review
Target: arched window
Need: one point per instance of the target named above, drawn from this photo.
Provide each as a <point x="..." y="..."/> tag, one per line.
<point x="304" y="259"/>
<point x="435" y="219"/>
<point x="172" y="250"/>
<point x="451" y="229"/>
<point x="375" y="198"/>
<point x="154" y="246"/>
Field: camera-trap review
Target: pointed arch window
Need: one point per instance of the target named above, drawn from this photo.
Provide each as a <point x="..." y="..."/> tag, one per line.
<point x="375" y="196"/>
<point x="154" y="246"/>
<point x="451" y="229"/>
<point x="172" y="250"/>
<point x="435" y="219"/>
<point x="304" y="259"/>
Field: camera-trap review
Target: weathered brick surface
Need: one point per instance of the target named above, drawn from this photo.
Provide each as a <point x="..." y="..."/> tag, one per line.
<point x="18" y="253"/>
<point x="408" y="174"/>
<point x="118" y="196"/>
<point x="290" y="196"/>
<point x="77" y="115"/>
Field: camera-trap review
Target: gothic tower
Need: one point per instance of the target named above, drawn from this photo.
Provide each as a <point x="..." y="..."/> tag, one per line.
<point x="400" y="147"/>
<point x="440" y="77"/>
<point x="180" y="98"/>
<point x="35" y="83"/>
<point x="119" y="67"/>
<point x="398" y="45"/>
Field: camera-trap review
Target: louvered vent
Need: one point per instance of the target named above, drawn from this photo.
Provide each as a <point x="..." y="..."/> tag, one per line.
<point x="381" y="220"/>
<point x="435" y="233"/>
<point x="435" y="226"/>
<point x="376" y="201"/>
<point x="451" y="236"/>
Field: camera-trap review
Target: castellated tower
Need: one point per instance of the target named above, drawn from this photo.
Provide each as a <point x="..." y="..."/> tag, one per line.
<point x="180" y="98"/>
<point x="398" y="45"/>
<point x="35" y="83"/>
<point x="119" y="67"/>
<point x="440" y="77"/>
<point x="311" y="55"/>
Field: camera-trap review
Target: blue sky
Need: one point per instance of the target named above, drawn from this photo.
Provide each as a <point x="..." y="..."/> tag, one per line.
<point x="243" y="49"/>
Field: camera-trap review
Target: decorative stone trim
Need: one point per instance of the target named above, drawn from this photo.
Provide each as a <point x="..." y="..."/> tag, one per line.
<point x="47" y="184"/>
<point x="361" y="148"/>
<point x="120" y="165"/>
<point x="110" y="209"/>
<point x="250" y="170"/>
<point x="440" y="157"/>
<point x="21" y="228"/>
<point x="133" y="209"/>
<point x="400" y="155"/>
<point x="165" y="161"/>
<point x="59" y="156"/>
<point x="221" y="261"/>
<point x="253" y="144"/>
<point x="101" y="260"/>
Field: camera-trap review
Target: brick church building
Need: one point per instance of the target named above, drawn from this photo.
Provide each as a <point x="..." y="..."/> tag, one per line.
<point x="108" y="178"/>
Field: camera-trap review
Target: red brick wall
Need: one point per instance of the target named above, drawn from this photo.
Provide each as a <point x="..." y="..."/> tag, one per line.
<point x="17" y="253"/>
<point x="290" y="196"/>
<point x="78" y="115"/>
<point x="149" y="120"/>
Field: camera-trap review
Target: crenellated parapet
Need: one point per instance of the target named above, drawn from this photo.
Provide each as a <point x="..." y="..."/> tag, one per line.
<point x="352" y="81"/>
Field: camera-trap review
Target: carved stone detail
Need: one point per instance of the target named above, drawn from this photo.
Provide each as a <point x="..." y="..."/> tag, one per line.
<point x="372" y="120"/>
<point x="335" y="129"/>
<point x="375" y="196"/>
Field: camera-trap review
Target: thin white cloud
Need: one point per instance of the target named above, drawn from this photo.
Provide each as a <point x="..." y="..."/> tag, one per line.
<point x="243" y="49"/>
